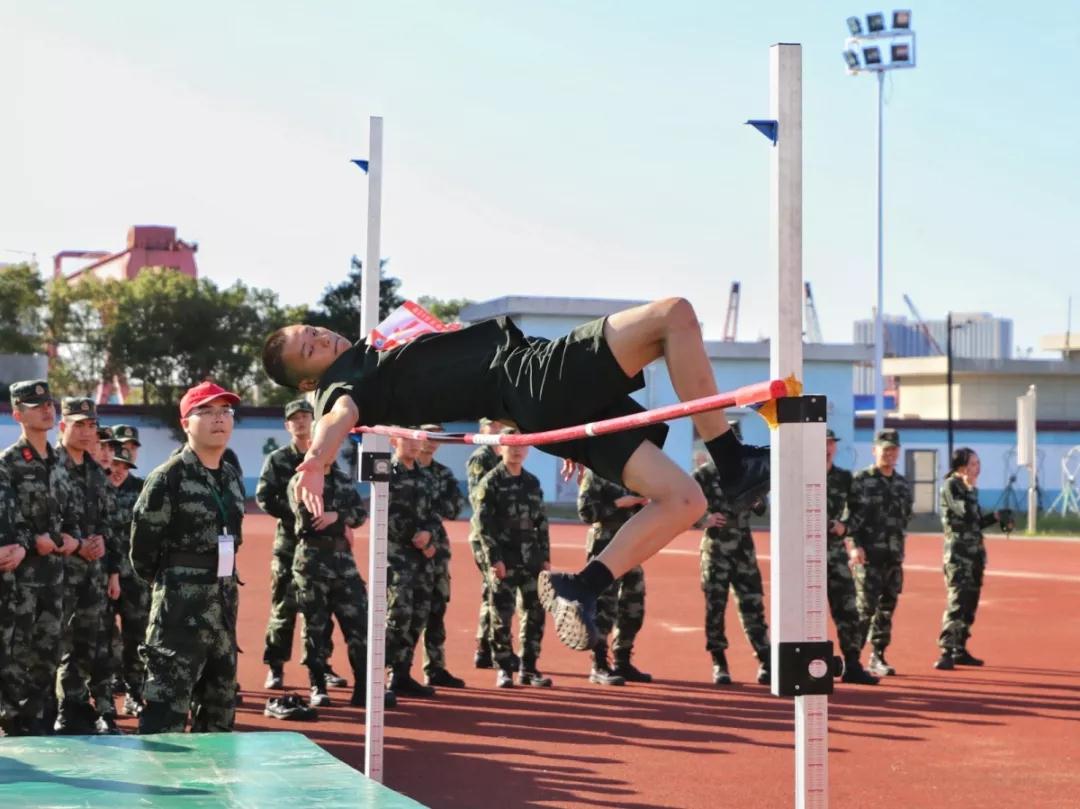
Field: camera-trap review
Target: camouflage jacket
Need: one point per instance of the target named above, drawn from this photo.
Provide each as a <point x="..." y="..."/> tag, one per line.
<point x="448" y="503"/>
<point x="879" y="509"/>
<point x="837" y="488"/>
<point x="510" y="521"/>
<point x="738" y="522"/>
<point x="962" y="519"/>
<point x="596" y="505"/>
<point x="35" y="484"/>
<point x="340" y="495"/>
<point x="412" y="508"/>
<point x="482" y="461"/>
<point x="90" y="503"/>
<point x="8" y="533"/>
<point x="126" y="495"/>
<point x="272" y="495"/>
<point x="178" y="512"/>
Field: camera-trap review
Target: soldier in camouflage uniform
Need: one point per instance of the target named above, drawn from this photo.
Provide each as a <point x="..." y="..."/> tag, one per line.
<point x="965" y="556"/>
<point x="482" y="461"/>
<point x="879" y="508"/>
<point x="327" y="581"/>
<point x="511" y="525"/>
<point x="841" y="584"/>
<point x="410" y="547"/>
<point x="91" y="577"/>
<point x="13" y="550"/>
<point x="187" y="523"/>
<point x="272" y="496"/>
<point x="128" y="438"/>
<point x="729" y="561"/>
<point x="31" y="469"/>
<point x="133" y="606"/>
<point x="448" y="504"/>
<point x="607" y="506"/>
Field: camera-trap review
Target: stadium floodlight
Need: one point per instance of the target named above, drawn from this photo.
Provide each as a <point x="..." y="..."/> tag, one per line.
<point x="899" y="43"/>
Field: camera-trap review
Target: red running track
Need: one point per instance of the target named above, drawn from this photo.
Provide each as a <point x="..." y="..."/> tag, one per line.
<point x="1007" y="735"/>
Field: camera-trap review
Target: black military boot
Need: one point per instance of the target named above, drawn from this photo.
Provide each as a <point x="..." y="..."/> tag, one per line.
<point x="879" y="666"/>
<point x="444" y="678"/>
<point x="402" y="684"/>
<point x="529" y="674"/>
<point x="482" y="658"/>
<point x="764" y="671"/>
<point x="75" y="719"/>
<point x="855" y="673"/>
<point x="572" y="606"/>
<point x="720" y="673"/>
<point x="743" y="469"/>
<point x="945" y="662"/>
<point x="965" y="658"/>
<point x="601" y="673"/>
<point x="627" y="670"/>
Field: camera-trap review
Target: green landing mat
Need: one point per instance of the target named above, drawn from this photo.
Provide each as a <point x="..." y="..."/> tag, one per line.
<point x="255" y="770"/>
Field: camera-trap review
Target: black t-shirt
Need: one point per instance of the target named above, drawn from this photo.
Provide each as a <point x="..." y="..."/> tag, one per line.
<point x="447" y="376"/>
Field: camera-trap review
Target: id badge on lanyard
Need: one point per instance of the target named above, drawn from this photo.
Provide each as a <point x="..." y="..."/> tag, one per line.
<point x="226" y="543"/>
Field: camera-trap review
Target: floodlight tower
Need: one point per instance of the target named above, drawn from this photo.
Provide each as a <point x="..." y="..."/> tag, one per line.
<point x="863" y="54"/>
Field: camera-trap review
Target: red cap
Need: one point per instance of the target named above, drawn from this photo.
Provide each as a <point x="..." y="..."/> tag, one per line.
<point x="202" y="393"/>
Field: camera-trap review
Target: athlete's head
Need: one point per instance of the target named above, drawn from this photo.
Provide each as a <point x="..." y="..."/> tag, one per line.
<point x="297" y="356"/>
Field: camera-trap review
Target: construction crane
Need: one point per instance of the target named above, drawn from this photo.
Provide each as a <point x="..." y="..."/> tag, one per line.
<point x="731" y="322"/>
<point x="922" y="324"/>
<point x="811" y="324"/>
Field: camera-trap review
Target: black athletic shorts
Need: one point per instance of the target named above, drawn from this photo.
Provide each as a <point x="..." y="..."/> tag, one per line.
<point x="572" y="380"/>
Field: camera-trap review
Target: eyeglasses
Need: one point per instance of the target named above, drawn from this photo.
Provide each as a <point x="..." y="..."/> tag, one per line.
<point x="213" y="412"/>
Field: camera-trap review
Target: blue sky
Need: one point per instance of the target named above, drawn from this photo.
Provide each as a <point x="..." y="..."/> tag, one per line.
<point x="555" y="148"/>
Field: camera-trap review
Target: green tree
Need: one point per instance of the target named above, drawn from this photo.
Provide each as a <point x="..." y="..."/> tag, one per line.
<point x="448" y="311"/>
<point x="76" y="318"/>
<point x="340" y="305"/>
<point x="22" y="301"/>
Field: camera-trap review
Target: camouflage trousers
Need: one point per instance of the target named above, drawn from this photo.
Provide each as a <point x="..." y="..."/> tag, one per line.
<point x="483" y="621"/>
<point x="435" y="631"/>
<point x="190" y="653"/>
<point x="519" y="584"/>
<point x="878" y="585"/>
<point x="12" y="675"/>
<point x="409" y="582"/>
<point x="35" y="646"/>
<point x="963" y="583"/>
<point x="328" y="583"/>
<point x="281" y="626"/>
<point x="85" y="654"/>
<point x="730" y="563"/>
<point x="133" y="610"/>
<point x="841" y="591"/>
<point x="622" y="606"/>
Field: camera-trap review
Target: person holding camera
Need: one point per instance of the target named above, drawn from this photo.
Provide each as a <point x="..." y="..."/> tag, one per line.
<point x="965" y="556"/>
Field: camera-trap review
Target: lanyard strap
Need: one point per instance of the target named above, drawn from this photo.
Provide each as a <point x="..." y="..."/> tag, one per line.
<point x="221" y="507"/>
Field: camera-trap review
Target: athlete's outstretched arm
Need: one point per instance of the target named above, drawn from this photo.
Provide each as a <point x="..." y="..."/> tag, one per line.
<point x="330" y="432"/>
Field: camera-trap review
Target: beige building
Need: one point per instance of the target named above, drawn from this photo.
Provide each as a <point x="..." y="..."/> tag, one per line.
<point x="985" y="390"/>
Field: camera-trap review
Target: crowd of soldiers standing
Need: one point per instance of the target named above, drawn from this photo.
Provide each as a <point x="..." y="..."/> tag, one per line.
<point x="110" y="584"/>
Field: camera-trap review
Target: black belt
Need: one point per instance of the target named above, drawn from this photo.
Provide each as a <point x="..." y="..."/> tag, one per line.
<point x="203" y="561"/>
<point x="324" y="543"/>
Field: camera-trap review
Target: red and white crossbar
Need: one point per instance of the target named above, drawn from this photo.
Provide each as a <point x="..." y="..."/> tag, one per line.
<point x="755" y="394"/>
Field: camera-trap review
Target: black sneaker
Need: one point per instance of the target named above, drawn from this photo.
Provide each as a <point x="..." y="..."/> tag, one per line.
<point x="106" y="726"/>
<point x="533" y="677"/>
<point x="628" y="671"/>
<point x="482" y="658"/>
<point x="334" y="679"/>
<point x="444" y="678"/>
<point x="880" y="667"/>
<point x="945" y="662"/>
<point x="604" y="676"/>
<point x="855" y="674"/>
<point x="504" y="679"/>
<point x="402" y="684"/>
<point x="319" y="697"/>
<point x="753" y="480"/>
<point x="720" y="673"/>
<point x="289" y="707"/>
<point x="572" y="606"/>
<point x="965" y="658"/>
<point x="275" y="677"/>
